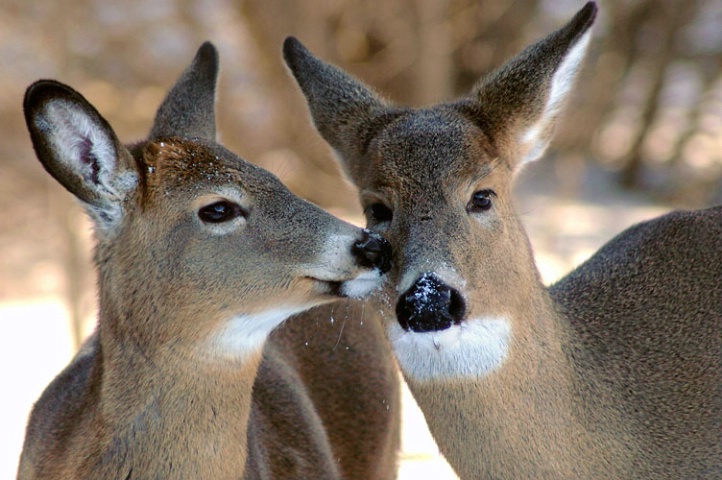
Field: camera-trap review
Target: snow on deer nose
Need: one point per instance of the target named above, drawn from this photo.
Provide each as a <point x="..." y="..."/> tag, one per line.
<point x="430" y="305"/>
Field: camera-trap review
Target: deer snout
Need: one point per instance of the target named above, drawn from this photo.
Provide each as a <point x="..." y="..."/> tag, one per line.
<point x="430" y="305"/>
<point x="373" y="251"/>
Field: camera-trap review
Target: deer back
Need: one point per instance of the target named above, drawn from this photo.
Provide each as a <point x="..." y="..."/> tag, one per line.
<point x="646" y="314"/>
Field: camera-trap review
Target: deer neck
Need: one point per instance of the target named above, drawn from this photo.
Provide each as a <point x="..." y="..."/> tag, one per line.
<point x="523" y="415"/>
<point x="150" y="398"/>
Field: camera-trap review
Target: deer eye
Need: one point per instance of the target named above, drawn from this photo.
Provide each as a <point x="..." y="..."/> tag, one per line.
<point x="480" y="201"/>
<point x="378" y="213"/>
<point x="221" y="211"/>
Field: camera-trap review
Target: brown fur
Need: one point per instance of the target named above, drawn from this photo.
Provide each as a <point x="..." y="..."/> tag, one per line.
<point x="615" y="371"/>
<point x="160" y="391"/>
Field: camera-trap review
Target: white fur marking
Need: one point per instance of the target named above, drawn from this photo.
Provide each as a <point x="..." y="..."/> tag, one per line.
<point x="563" y="79"/>
<point x="363" y="284"/>
<point x="246" y="334"/>
<point x="561" y="84"/>
<point x="474" y="348"/>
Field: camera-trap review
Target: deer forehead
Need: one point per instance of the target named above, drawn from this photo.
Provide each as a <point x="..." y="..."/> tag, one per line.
<point x="175" y="162"/>
<point x="429" y="147"/>
<point x="193" y="168"/>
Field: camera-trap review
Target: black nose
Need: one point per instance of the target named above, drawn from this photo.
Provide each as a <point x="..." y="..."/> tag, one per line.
<point x="430" y="305"/>
<point x="373" y="251"/>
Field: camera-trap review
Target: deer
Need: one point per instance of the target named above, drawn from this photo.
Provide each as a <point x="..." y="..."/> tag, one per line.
<point x="201" y="256"/>
<point x="614" y="371"/>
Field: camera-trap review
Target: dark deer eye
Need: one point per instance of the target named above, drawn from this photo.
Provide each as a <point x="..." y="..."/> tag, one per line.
<point x="480" y="201"/>
<point x="378" y="213"/>
<point x="221" y="211"/>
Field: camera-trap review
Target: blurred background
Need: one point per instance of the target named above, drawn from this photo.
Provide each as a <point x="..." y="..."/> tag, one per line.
<point x="642" y="134"/>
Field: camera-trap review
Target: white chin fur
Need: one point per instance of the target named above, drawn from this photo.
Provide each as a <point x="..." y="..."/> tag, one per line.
<point x="474" y="348"/>
<point x="363" y="284"/>
<point x="246" y="334"/>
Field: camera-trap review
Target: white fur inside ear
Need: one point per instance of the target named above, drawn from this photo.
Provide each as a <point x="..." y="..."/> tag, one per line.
<point x="472" y="349"/>
<point x="81" y="142"/>
<point x="87" y="149"/>
<point x="536" y="138"/>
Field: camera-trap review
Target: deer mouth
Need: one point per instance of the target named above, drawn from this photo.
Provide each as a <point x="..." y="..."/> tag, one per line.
<point x="430" y="305"/>
<point x="359" y="286"/>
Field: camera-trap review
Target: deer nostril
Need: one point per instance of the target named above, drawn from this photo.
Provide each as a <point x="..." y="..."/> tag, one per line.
<point x="430" y="305"/>
<point x="373" y="251"/>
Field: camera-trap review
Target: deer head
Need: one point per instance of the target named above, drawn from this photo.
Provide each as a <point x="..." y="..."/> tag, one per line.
<point x="197" y="248"/>
<point x="437" y="183"/>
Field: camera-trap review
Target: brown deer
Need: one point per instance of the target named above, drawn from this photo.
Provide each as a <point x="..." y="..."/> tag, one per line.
<point x="200" y="256"/>
<point x="613" y="372"/>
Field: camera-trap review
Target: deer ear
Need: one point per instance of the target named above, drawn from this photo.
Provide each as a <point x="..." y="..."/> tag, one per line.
<point x="79" y="149"/>
<point x="517" y="106"/>
<point x="343" y="109"/>
<point x="189" y="108"/>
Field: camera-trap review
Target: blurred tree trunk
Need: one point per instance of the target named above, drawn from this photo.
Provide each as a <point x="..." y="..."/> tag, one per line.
<point x="433" y="67"/>
<point x="487" y="34"/>
<point x="709" y="72"/>
<point x="669" y="19"/>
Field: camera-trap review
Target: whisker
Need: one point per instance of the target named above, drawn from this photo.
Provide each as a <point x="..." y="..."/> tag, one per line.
<point x="340" y="333"/>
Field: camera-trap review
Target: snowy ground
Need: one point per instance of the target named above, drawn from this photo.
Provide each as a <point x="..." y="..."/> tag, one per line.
<point x="564" y="229"/>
